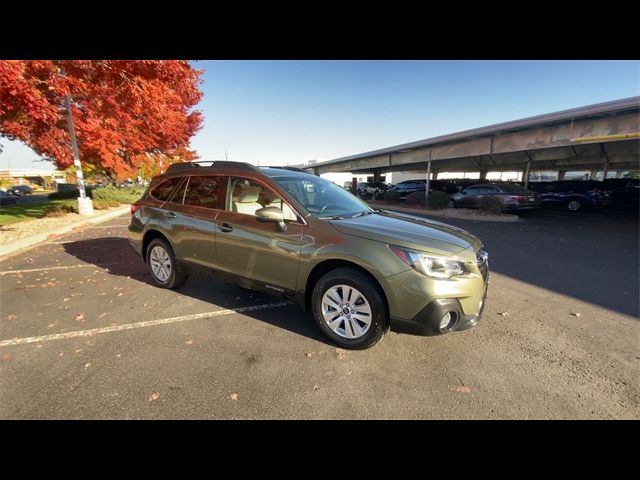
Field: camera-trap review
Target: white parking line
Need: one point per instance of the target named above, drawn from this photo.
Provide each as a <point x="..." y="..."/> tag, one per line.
<point x="82" y="265"/>
<point x="130" y="326"/>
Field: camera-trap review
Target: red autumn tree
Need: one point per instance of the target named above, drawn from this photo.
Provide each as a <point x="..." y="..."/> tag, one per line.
<point x="128" y="115"/>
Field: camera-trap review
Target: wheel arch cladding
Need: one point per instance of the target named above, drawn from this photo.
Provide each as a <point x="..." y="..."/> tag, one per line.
<point x="326" y="266"/>
<point x="148" y="237"/>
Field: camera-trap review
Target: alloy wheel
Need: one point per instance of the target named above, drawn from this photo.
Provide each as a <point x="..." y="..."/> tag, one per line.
<point x="346" y="311"/>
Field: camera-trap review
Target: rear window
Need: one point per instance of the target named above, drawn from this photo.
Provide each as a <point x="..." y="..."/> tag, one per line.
<point x="163" y="191"/>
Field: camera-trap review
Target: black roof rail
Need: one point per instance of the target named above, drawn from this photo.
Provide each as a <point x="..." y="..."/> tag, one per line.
<point x="183" y="166"/>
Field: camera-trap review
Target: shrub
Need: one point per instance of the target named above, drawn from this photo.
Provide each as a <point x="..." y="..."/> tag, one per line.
<point x="438" y="200"/>
<point x="490" y="204"/>
<point x="415" y="198"/>
<point x="391" y="196"/>
<point x="112" y="196"/>
<point x="69" y="194"/>
<point x="60" y="209"/>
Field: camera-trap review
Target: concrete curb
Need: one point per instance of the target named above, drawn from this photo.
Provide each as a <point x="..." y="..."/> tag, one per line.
<point x="18" y="246"/>
<point x="449" y="214"/>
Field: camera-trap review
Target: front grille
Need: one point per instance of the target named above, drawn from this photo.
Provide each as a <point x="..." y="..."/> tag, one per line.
<point x="482" y="258"/>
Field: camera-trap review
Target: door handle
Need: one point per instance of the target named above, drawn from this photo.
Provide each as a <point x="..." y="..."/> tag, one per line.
<point x="225" y="228"/>
<point x="169" y="215"/>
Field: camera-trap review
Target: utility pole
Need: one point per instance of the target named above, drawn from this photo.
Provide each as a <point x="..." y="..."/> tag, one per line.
<point x="85" y="205"/>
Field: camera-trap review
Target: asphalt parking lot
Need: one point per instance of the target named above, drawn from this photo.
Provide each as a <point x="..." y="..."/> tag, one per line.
<point x="83" y="334"/>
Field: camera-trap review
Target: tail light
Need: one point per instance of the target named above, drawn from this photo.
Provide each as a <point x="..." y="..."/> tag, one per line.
<point x="135" y="207"/>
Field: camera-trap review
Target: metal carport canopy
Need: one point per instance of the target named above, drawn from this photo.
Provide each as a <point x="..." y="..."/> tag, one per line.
<point x="601" y="136"/>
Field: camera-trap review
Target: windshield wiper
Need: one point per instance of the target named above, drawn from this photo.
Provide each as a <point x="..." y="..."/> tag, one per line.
<point x="360" y="214"/>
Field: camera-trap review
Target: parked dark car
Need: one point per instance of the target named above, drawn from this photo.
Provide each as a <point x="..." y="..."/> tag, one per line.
<point x="7" y="199"/>
<point x="514" y="198"/>
<point x="409" y="186"/>
<point x="625" y="192"/>
<point x="574" y="195"/>
<point x="361" y="190"/>
<point x="20" y="190"/>
<point x="377" y="189"/>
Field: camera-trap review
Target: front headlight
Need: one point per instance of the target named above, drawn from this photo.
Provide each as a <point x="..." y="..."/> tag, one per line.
<point x="431" y="265"/>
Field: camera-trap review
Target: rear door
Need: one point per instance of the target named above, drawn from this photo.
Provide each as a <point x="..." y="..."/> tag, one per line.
<point x="195" y="206"/>
<point x="255" y="250"/>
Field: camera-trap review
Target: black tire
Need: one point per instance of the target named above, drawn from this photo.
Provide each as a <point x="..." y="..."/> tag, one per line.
<point x="351" y="277"/>
<point x="176" y="276"/>
<point x="574" y="205"/>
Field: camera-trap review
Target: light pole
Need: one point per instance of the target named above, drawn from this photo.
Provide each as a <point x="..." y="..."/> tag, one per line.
<point x="85" y="205"/>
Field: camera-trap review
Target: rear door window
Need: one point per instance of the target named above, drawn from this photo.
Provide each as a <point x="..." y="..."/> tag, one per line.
<point x="163" y="191"/>
<point x="204" y="191"/>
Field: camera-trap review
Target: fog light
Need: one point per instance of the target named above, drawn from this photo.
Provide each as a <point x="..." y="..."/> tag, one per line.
<point x="447" y="321"/>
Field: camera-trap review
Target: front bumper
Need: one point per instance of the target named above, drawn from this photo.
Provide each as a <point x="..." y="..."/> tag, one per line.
<point x="427" y="321"/>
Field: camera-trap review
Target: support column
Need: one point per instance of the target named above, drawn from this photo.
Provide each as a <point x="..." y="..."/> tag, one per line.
<point x="376" y="176"/>
<point x="426" y="193"/>
<point x="561" y="174"/>
<point x="434" y="175"/>
<point x="483" y="173"/>
<point x="619" y="173"/>
<point x="592" y="174"/>
<point x="605" y="169"/>
<point x="525" y="174"/>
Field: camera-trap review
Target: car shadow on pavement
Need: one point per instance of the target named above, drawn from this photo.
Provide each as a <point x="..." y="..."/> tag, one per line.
<point x="115" y="255"/>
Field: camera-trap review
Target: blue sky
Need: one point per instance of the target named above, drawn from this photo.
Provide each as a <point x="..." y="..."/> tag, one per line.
<point x="287" y="112"/>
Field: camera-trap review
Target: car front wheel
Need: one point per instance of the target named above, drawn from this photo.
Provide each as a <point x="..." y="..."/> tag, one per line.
<point x="349" y="309"/>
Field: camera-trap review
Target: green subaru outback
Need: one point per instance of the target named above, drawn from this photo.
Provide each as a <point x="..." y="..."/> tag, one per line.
<point x="281" y="230"/>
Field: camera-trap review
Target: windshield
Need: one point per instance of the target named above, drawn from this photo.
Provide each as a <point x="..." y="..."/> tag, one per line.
<point x="323" y="198"/>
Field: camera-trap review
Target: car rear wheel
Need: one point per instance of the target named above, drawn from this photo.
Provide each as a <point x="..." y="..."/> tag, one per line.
<point x="162" y="264"/>
<point x="349" y="309"/>
<point x="574" y="205"/>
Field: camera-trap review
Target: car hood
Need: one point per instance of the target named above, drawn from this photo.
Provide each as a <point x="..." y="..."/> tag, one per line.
<point x="409" y="231"/>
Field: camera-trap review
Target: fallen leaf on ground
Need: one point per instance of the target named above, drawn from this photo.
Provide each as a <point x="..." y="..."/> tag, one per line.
<point x="308" y="354"/>
<point x="189" y="342"/>
<point x="87" y="365"/>
<point x="12" y="317"/>
<point x="118" y="355"/>
<point x="461" y="389"/>
<point x="66" y="299"/>
<point x="154" y="396"/>
<point x="503" y="314"/>
<point x="79" y="317"/>
<point x="61" y="354"/>
<point x="576" y="314"/>
<point x="102" y="315"/>
<point x="233" y="396"/>
<point x="341" y="353"/>
<point x="315" y="387"/>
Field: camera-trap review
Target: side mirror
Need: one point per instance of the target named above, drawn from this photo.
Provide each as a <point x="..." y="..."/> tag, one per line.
<point x="272" y="214"/>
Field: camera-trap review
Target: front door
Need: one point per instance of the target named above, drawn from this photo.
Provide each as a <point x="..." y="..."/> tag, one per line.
<point x="256" y="250"/>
